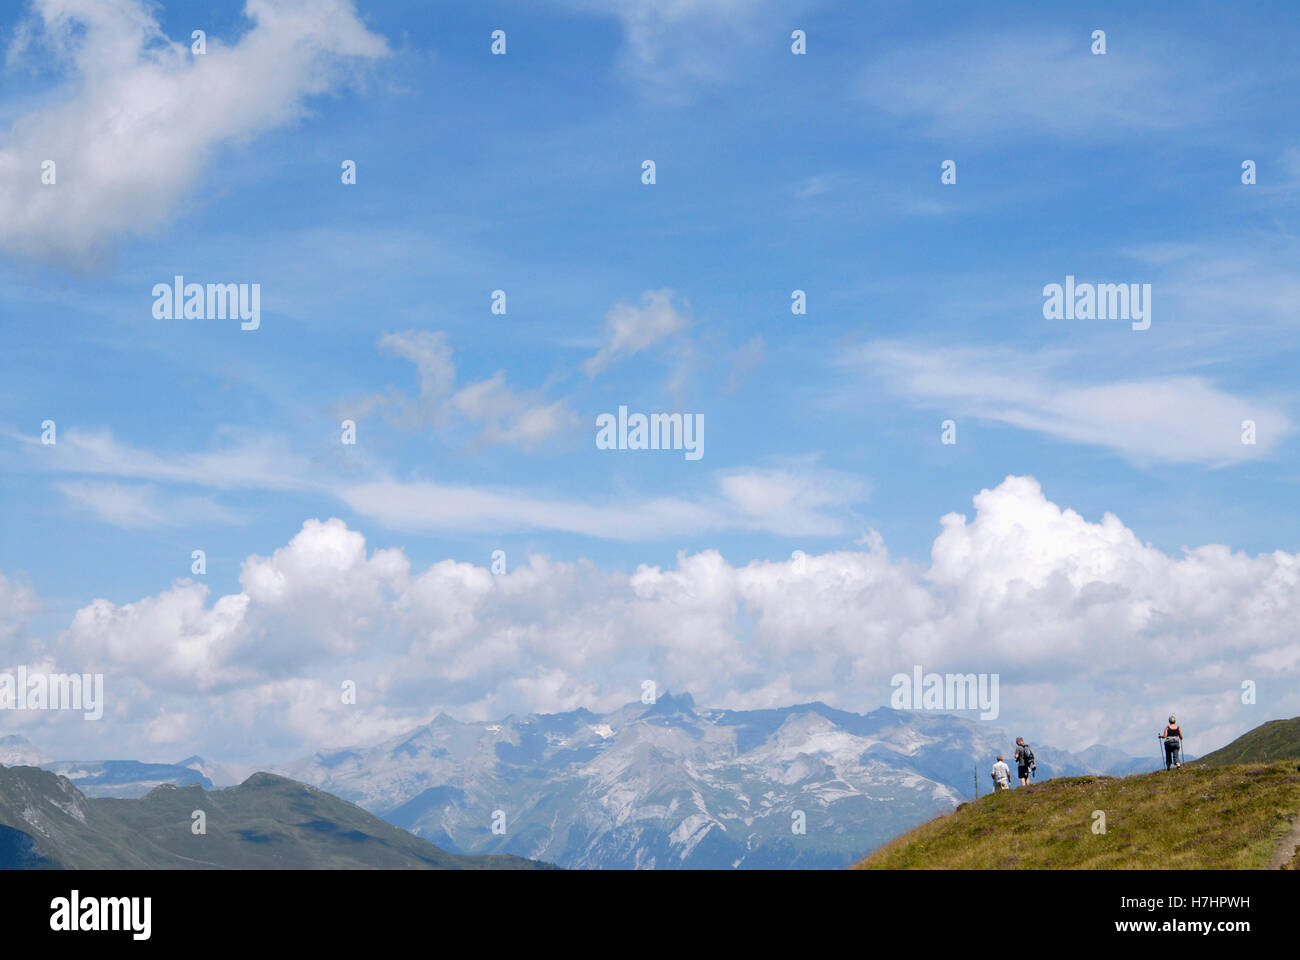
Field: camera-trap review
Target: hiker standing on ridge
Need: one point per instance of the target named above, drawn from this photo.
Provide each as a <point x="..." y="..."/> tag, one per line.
<point x="1001" y="775"/>
<point x="1173" y="738"/>
<point x="1025" y="760"/>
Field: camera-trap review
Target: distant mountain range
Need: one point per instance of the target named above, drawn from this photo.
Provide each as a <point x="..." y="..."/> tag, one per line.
<point x="666" y="786"/>
<point x="122" y="778"/>
<point x="267" y="822"/>
<point x="658" y="786"/>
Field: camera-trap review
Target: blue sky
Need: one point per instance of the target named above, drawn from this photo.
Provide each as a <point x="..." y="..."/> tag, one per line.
<point x="522" y="172"/>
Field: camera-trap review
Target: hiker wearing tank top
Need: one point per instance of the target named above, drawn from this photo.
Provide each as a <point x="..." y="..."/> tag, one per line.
<point x="1173" y="738"/>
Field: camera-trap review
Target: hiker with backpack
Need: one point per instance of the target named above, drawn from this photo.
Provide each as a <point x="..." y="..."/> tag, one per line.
<point x="1025" y="760"/>
<point x="1001" y="775"/>
<point x="1173" y="740"/>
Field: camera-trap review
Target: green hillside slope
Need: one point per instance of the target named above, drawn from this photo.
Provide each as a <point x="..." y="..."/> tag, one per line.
<point x="267" y="822"/>
<point x="1211" y="817"/>
<point x="1275" y="740"/>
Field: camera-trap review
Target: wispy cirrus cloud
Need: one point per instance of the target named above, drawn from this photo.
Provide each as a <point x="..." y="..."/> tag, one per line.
<point x="1169" y="419"/>
<point x="1222" y="287"/>
<point x="796" y="498"/>
<point x="671" y="49"/>
<point x="239" y="459"/>
<point x="630" y="329"/>
<point x="139" y="506"/>
<point x="799" y="500"/>
<point x="1033" y="84"/>
<point x="497" y="413"/>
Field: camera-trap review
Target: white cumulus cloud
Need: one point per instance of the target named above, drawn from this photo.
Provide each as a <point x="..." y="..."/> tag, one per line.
<point x="1094" y="634"/>
<point x="139" y="115"/>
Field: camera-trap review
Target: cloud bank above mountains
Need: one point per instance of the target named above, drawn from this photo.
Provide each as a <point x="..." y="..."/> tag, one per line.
<point x="1095" y="635"/>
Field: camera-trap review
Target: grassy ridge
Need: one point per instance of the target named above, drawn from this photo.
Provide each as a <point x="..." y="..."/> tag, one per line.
<point x="1269" y="742"/>
<point x="1231" y="817"/>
